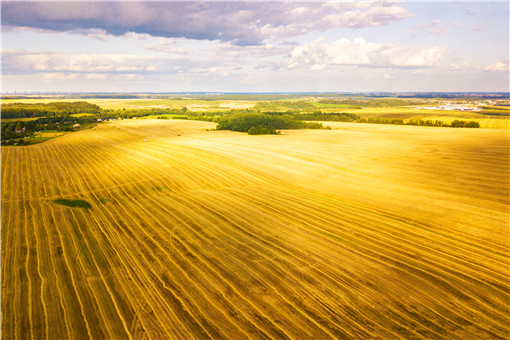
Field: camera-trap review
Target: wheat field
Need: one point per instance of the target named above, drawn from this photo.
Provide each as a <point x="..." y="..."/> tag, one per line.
<point x="364" y="231"/>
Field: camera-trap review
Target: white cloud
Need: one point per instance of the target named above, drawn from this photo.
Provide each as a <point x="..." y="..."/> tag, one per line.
<point x="499" y="66"/>
<point x="362" y="53"/>
<point x="30" y="61"/>
<point x="463" y="66"/>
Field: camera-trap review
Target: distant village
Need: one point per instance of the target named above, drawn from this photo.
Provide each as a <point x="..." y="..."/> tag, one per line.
<point x="471" y="107"/>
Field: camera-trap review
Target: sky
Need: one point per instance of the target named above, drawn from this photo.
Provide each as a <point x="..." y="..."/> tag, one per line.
<point x="239" y="46"/>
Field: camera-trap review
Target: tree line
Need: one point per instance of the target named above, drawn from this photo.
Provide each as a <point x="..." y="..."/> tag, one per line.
<point x="419" y="122"/>
<point x="54" y="109"/>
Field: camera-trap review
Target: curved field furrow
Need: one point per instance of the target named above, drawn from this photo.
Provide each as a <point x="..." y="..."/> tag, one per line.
<point x="87" y="282"/>
<point x="72" y="275"/>
<point x="116" y="309"/>
<point x="58" y="323"/>
<point x="7" y="320"/>
<point x="25" y="319"/>
<point x="128" y="222"/>
<point x="155" y="258"/>
<point x="210" y="255"/>
<point x="317" y="284"/>
<point x="408" y="263"/>
<point x="354" y="164"/>
<point x="391" y="234"/>
<point x="417" y="237"/>
<point x="195" y="236"/>
<point x="39" y="320"/>
<point x="496" y="252"/>
<point x="377" y="232"/>
<point x="274" y="273"/>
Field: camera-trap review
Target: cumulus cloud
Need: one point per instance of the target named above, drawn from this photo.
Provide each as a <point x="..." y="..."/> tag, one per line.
<point x="503" y="65"/>
<point x="500" y="66"/>
<point x="91" y="66"/>
<point x="241" y="23"/>
<point x="463" y="66"/>
<point x="22" y="61"/>
<point x="362" y="53"/>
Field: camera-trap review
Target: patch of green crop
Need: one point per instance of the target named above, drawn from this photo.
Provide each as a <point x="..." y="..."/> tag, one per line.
<point x="73" y="203"/>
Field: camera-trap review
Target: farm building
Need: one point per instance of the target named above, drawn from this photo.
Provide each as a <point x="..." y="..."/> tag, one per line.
<point x="76" y="126"/>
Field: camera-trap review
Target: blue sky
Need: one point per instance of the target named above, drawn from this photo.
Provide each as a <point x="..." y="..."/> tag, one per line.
<point x="254" y="46"/>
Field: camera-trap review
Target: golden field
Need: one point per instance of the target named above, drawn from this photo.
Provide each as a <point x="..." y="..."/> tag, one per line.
<point x="363" y="231"/>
